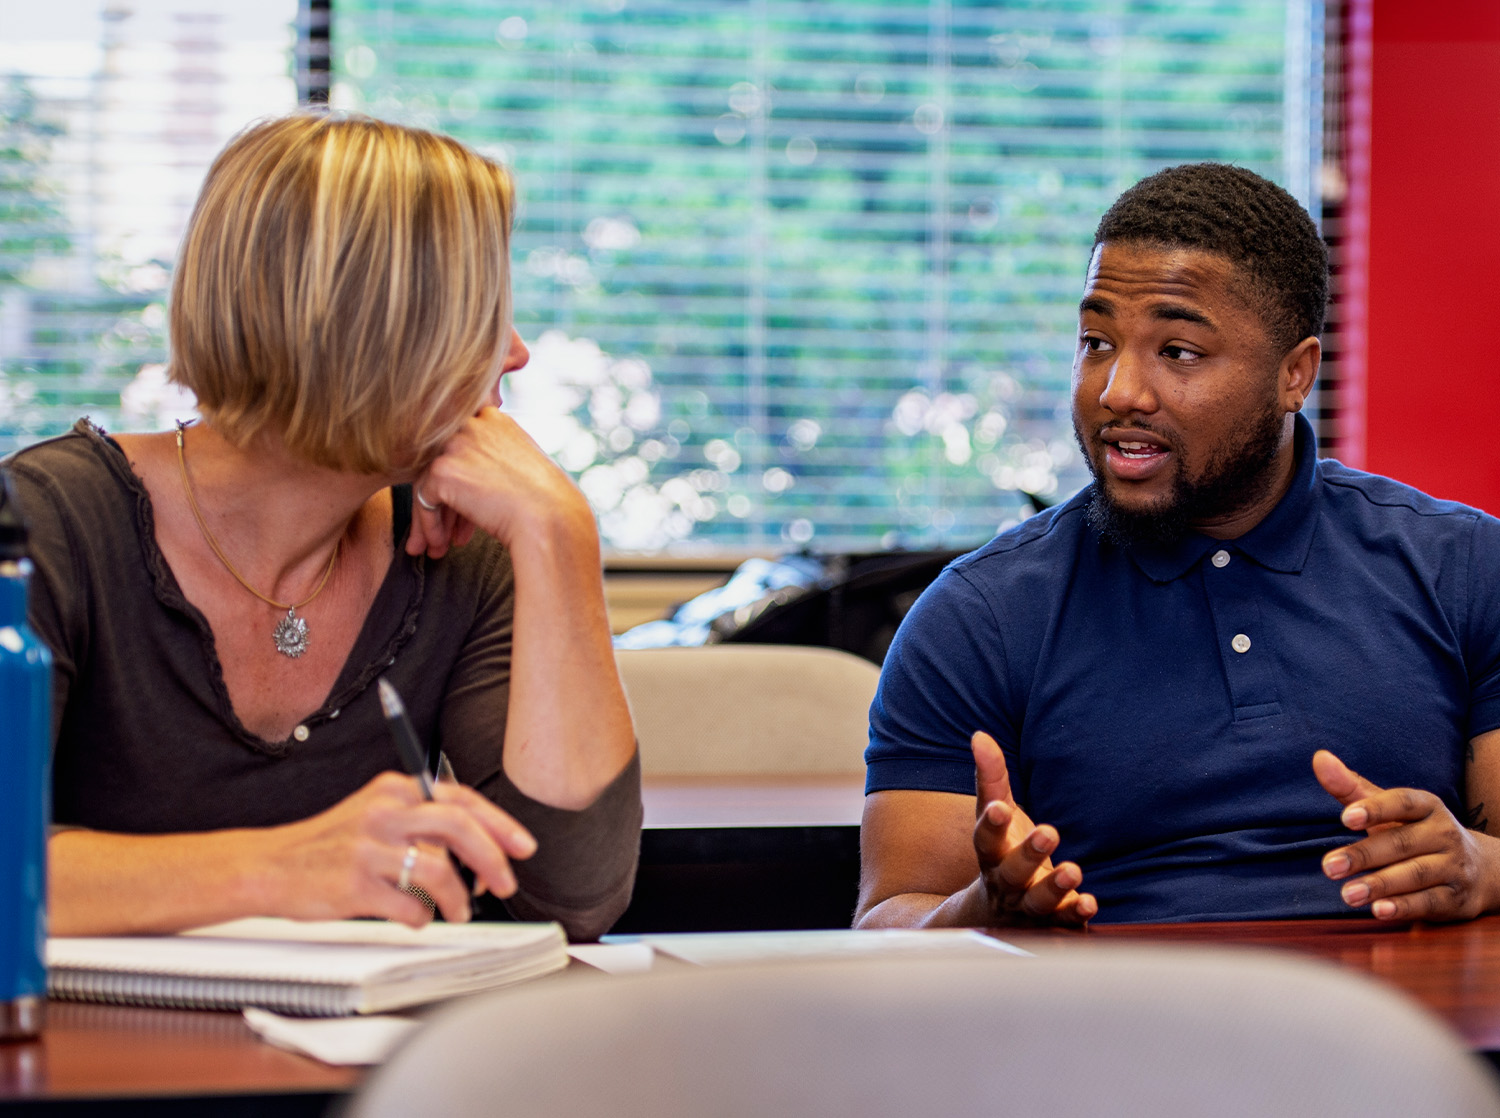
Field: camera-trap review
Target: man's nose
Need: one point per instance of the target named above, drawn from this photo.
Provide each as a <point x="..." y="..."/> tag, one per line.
<point x="1128" y="389"/>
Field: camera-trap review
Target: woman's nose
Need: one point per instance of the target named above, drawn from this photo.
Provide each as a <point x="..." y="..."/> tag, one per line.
<point x="517" y="354"/>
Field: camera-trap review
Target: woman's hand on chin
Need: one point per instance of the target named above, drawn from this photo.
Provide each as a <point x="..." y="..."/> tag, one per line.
<point x="349" y="860"/>
<point x="493" y="476"/>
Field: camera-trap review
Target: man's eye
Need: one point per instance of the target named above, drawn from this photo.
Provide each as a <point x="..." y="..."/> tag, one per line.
<point x="1180" y="353"/>
<point x="1092" y="344"/>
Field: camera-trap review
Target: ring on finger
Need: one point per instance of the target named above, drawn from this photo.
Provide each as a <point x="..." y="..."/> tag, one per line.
<point x="423" y="501"/>
<point x="408" y="863"/>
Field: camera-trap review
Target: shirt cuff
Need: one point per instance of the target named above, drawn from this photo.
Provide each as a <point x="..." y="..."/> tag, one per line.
<point x="583" y="871"/>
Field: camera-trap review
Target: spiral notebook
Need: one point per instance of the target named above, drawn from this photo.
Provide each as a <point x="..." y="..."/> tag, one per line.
<point x="325" y="968"/>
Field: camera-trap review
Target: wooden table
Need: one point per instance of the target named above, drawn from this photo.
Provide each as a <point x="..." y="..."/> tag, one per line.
<point x="677" y="802"/>
<point x="1452" y="969"/>
<point x="95" y="1059"/>
<point x="738" y="839"/>
<point x="99" y="1059"/>
<point x="725" y="834"/>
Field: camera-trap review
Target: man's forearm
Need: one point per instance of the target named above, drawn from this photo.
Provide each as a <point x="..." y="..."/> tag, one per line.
<point x="965" y="909"/>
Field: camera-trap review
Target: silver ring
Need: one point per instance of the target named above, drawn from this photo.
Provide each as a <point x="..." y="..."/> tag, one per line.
<point x="421" y="500"/>
<point x="407" y="865"/>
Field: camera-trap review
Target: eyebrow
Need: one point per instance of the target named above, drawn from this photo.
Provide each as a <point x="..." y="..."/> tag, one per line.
<point x="1165" y="312"/>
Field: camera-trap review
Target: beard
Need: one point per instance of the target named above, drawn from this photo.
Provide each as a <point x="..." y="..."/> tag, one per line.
<point x="1236" y="477"/>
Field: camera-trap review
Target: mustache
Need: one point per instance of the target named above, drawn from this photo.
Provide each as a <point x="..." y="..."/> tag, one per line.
<point x="1117" y="430"/>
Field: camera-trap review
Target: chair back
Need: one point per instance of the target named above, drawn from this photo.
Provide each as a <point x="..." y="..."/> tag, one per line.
<point x="749" y="709"/>
<point x="1106" y="1030"/>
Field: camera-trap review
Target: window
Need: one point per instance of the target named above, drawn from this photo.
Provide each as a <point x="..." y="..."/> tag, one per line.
<point x="804" y="272"/>
<point x="793" y="273"/>
<point x="109" y="117"/>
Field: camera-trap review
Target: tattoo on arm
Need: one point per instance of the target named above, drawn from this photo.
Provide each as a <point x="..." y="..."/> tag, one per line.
<point x="1476" y="820"/>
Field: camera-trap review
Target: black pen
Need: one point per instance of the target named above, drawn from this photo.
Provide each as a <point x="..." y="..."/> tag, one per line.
<point x="401" y="729"/>
<point x="412" y="757"/>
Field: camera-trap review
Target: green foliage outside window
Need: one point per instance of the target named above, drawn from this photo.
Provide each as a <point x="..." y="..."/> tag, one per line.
<point x="844" y="240"/>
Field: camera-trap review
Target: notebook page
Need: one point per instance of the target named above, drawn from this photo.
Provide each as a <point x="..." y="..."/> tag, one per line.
<point x="382" y="932"/>
<point x="720" y="948"/>
<point x="270" y="960"/>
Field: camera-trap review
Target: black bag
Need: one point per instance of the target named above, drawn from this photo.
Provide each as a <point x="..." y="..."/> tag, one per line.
<point x="855" y="606"/>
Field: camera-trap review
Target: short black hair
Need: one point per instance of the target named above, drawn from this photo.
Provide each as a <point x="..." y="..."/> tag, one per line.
<point x="1249" y="220"/>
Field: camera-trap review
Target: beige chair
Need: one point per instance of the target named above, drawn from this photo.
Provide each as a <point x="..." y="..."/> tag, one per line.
<point x="749" y="709"/>
<point x="1130" y="1032"/>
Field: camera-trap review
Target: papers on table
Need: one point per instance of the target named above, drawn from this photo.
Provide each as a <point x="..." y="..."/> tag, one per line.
<point x="720" y="948"/>
<point x="309" y="969"/>
<point x="334" y="1040"/>
<point x="370" y="1040"/>
<point x="614" y="958"/>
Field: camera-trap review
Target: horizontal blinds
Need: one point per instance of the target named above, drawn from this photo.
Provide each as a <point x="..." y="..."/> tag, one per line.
<point x="109" y="117"/>
<point x="805" y="273"/>
<point x="792" y="273"/>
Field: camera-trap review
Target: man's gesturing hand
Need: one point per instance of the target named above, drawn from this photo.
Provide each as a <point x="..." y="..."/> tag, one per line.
<point x="1418" y="862"/>
<point x="1015" y="855"/>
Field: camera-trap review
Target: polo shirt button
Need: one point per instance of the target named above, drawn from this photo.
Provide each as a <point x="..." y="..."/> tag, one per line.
<point x="1241" y="643"/>
<point x="1221" y="558"/>
<point x="301" y="733"/>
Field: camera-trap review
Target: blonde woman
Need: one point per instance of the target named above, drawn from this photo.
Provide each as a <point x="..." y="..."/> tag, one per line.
<point x="222" y="599"/>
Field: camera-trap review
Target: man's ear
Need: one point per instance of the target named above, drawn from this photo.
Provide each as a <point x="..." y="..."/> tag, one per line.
<point x="1298" y="372"/>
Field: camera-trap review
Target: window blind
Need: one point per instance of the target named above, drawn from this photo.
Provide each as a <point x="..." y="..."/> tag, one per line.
<point x="792" y="273"/>
<point x="805" y="273"/>
<point x="109" y="117"/>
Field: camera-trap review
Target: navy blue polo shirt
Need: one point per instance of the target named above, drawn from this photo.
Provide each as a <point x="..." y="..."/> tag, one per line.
<point x="1161" y="707"/>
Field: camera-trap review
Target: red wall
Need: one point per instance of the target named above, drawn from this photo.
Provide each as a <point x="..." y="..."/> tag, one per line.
<point x="1432" y="371"/>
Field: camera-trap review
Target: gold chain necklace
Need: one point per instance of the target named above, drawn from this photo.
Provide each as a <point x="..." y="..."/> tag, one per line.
<point x="290" y="634"/>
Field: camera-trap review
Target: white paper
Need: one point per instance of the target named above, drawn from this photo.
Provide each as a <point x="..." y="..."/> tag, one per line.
<point x="378" y="933"/>
<point x="331" y="964"/>
<point x="614" y="958"/>
<point x="717" y="948"/>
<point x="334" y="1040"/>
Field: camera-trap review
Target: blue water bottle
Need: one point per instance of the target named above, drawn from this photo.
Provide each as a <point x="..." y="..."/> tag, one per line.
<point x="25" y="787"/>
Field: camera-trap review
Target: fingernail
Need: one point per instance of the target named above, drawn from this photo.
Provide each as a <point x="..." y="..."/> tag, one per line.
<point x="1336" y="865"/>
<point x="1383" y="910"/>
<point x="1355" y="818"/>
<point x="526" y="845"/>
<point x="478" y="889"/>
<point x="1356" y="892"/>
<point x="994" y="811"/>
<point x="1039" y="843"/>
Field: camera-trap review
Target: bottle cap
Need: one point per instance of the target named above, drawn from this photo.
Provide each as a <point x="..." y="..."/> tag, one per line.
<point x="12" y="527"/>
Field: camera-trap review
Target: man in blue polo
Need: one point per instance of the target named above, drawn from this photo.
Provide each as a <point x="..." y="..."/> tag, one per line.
<point x="1227" y="680"/>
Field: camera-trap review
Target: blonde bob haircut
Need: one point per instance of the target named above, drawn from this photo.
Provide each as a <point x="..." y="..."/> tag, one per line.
<point x="344" y="286"/>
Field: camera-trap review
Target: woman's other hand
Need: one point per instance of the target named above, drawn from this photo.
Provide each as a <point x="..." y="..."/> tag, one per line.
<point x="491" y="474"/>
<point x="567" y="726"/>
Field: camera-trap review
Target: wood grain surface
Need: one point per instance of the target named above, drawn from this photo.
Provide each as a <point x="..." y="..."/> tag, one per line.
<point x="1452" y="969"/>
<point x="114" y="1052"/>
<point x="120" y="1052"/>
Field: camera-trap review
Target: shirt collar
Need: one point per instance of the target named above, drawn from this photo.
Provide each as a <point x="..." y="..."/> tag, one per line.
<point x="1280" y="542"/>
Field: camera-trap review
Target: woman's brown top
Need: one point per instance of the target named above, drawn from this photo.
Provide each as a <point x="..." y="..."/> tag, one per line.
<point x="148" y="742"/>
